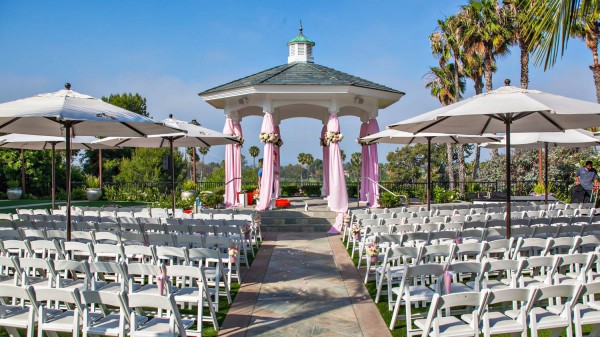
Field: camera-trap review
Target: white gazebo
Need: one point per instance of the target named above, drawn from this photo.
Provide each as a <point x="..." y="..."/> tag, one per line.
<point x="301" y="88"/>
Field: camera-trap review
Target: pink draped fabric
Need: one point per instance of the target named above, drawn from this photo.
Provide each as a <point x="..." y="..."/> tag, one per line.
<point x="372" y="128"/>
<point x="230" y="195"/>
<point x="277" y="165"/>
<point x="266" y="182"/>
<point x="325" y="164"/>
<point x="364" y="170"/>
<point x="237" y="166"/>
<point x="338" y="194"/>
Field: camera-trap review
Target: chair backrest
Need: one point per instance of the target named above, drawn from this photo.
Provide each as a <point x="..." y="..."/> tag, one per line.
<point x="443" y="252"/>
<point x="189" y="241"/>
<point x="159" y="239"/>
<point x="10" y="234"/>
<point x="441" y="307"/>
<point x="475" y="250"/>
<point x="139" y="253"/>
<point x="166" y="303"/>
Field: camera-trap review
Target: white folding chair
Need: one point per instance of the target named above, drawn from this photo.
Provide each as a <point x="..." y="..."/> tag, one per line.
<point x="497" y="319"/>
<point x="216" y="273"/>
<point x="169" y="324"/>
<point x="441" y="322"/>
<point x="68" y="321"/>
<point x="394" y="262"/>
<point x="557" y="319"/>
<point x="192" y="288"/>
<point x="588" y="312"/>
<point x="21" y="314"/>
<point x="115" y="322"/>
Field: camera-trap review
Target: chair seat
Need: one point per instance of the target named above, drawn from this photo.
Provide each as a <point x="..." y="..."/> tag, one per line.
<point x="112" y="287"/>
<point x="109" y="325"/>
<point x="158" y="327"/>
<point x="547" y="320"/>
<point x="449" y="327"/>
<point x="501" y="323"/>
<point x="190" y="294"/>
<point x="588" y="314"/>
<point x="16" y="317"/>
<point x="417" y="293"/>
<point x="62" y="322"/>
<point x="529" y="282"/>
<point x="460" y="288"/>
<point x="492" y="284"/>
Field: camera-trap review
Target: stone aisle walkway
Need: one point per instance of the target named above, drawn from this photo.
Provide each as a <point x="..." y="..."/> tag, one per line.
<point x="303" y="284"/>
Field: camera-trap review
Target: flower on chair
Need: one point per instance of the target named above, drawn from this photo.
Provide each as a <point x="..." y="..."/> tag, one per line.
<point x="372" y="249"/>
<point x="234" y="250"/>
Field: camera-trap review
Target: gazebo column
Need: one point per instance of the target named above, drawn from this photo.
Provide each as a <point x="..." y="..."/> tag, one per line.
<point x="266" y="182"/>
<point x="230" y="192"/>
<point x="364" y="168"/>
<point x="338" y="194"/>
<point x="325" y="188"/>
<point x="237" y="164"/>
<point x="372" y="128"/>
<point x="276" y="164"/>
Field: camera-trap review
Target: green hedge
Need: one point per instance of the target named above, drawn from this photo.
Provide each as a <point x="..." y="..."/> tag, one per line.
<point x="289" y="190"/>
<point x="311" y="191"/>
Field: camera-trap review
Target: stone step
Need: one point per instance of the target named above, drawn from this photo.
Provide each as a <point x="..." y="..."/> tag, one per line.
<point x="296" y="228"/>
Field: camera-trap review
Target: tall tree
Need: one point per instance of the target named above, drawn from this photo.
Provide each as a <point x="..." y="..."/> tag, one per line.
<point x="587" y="28"/>
<point x="111" y="159"/>
<point x="305" y="159"/>
<point x="514" y="10"/>
<point x="446" y="45"/>
<point x="203" y="151"/>
<point x="440" y="82"/>
<point x="254" y="151"/>
<point x="487" y="33"/>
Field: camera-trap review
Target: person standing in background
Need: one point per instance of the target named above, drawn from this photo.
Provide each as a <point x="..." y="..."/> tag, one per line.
<point x="587" y="177"/>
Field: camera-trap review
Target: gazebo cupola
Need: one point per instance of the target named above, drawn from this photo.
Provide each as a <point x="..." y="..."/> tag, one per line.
<point x="301" y="48"/>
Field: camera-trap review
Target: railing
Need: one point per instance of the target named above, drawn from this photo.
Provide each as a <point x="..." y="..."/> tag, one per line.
<point x="42" y="189"/>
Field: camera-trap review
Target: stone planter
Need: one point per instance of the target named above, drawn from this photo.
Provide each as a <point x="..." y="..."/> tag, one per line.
<point x="14" y="193"/>
<point x="188" y="195"/>
<point x="93" y="194"/>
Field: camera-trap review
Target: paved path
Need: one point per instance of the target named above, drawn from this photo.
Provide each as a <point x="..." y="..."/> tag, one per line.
<point x="303" y="284"/>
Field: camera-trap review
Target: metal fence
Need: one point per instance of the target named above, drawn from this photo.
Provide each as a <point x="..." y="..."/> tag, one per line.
<point x="42" y="189"/>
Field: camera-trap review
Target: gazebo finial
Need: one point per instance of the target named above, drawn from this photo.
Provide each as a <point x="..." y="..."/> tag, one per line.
<point x="300" y="26"/>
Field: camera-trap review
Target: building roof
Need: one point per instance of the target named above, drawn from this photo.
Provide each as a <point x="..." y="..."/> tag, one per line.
<point x="301" y="73"/>
<point x="301" y="39"/>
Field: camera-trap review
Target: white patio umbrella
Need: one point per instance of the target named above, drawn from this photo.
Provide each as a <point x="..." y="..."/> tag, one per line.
<point x="507" y="109"/>
<point x="191" y="136"/>
<point x="539" y="140"/>
<point x="390" y="136"/>
<point x="35" y="142"/>
<point x="66" y="113"/>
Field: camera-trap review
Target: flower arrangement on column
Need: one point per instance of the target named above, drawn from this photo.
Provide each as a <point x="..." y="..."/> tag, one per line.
<point x="269" y="138"/>
<point x="332" y="137"/>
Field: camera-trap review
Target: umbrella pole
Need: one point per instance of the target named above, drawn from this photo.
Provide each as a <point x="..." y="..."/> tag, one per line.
<point x="53" y="176"/>
<point x="100" y="167"/>
<point x="68" y="178"/>
<point x="172" y="177"/>
<point x="194" y="165"/>
<point x="508" y="189"/>
<point x="428" y="173"/>
<point x="546" y="173"/>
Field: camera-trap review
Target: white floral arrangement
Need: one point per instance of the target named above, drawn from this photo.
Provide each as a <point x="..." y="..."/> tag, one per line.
<point x="333" y="137"/>
<point x="270" y="138"/>
<point x="372" y="249"/>
<point x="324" y="142"/>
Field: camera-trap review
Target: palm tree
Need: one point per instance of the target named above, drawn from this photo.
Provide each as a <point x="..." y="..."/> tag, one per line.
<point x="440" y="82"/>
<point x="473" y="69"/>
<point x="485" y="32"/>
<point x="305" y="159"/>
<point x="203" y="151"/>
<point x="445" y="44"/>
<point x="254" y="151"/>
<point x="551" y="24"/>
<point x="587" y="28"/>
<point x="520" y="30"/>
<point x="343" y="155"/>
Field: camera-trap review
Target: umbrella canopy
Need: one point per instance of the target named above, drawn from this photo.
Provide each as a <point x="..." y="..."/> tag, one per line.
<point x="538" y="140"/>
<point x="35" y="142"/>
<point x="189" y="135"/>
<point x="390" y="136"/>
<point x="507" y="109"/>
<point x="68" y="113"/>
<point x="527" y="111"/>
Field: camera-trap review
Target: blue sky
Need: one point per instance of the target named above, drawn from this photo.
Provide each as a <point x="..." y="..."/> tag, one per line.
<point x="168" y="51"/>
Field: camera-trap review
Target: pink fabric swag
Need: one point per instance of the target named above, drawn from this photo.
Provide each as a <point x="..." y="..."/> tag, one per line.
<point x="372" y="128"/>
<point x="325" y="163"/>
<point x="266" y="183"/>
<point x="338" y="194"/>
<point x="237" y="166"/>
<point x="364" y="169"/>
<point x="230" y="193"/>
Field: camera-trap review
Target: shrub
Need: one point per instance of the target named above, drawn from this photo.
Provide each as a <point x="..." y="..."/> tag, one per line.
<point x="92" y="181"/>
<point x="311" y="191"/>
<point x="12" y="184"/>
<point x="440" y="195"/>
<point x="78" y="194"/>
<point x="188" y="185"/>
<point x="250" y="188"/>
<point x="215" y="199"/>
<point x="289" y="190"/>
<point x="388" y="200"/>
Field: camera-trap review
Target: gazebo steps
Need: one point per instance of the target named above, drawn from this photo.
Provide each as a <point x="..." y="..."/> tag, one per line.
<point x="297" y="219"/>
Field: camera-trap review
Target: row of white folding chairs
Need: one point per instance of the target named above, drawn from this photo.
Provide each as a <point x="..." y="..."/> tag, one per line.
<point x="420" y="283"/>
<point x="476" y="208"/>
<point x="532" y="312"/>
<point x="76" y="310"/>
<point x="117" y="216"/>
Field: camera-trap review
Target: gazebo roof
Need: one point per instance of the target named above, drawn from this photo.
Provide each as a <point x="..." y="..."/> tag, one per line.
<point x="301" y="39"/>
<point x="301" y="73"/>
